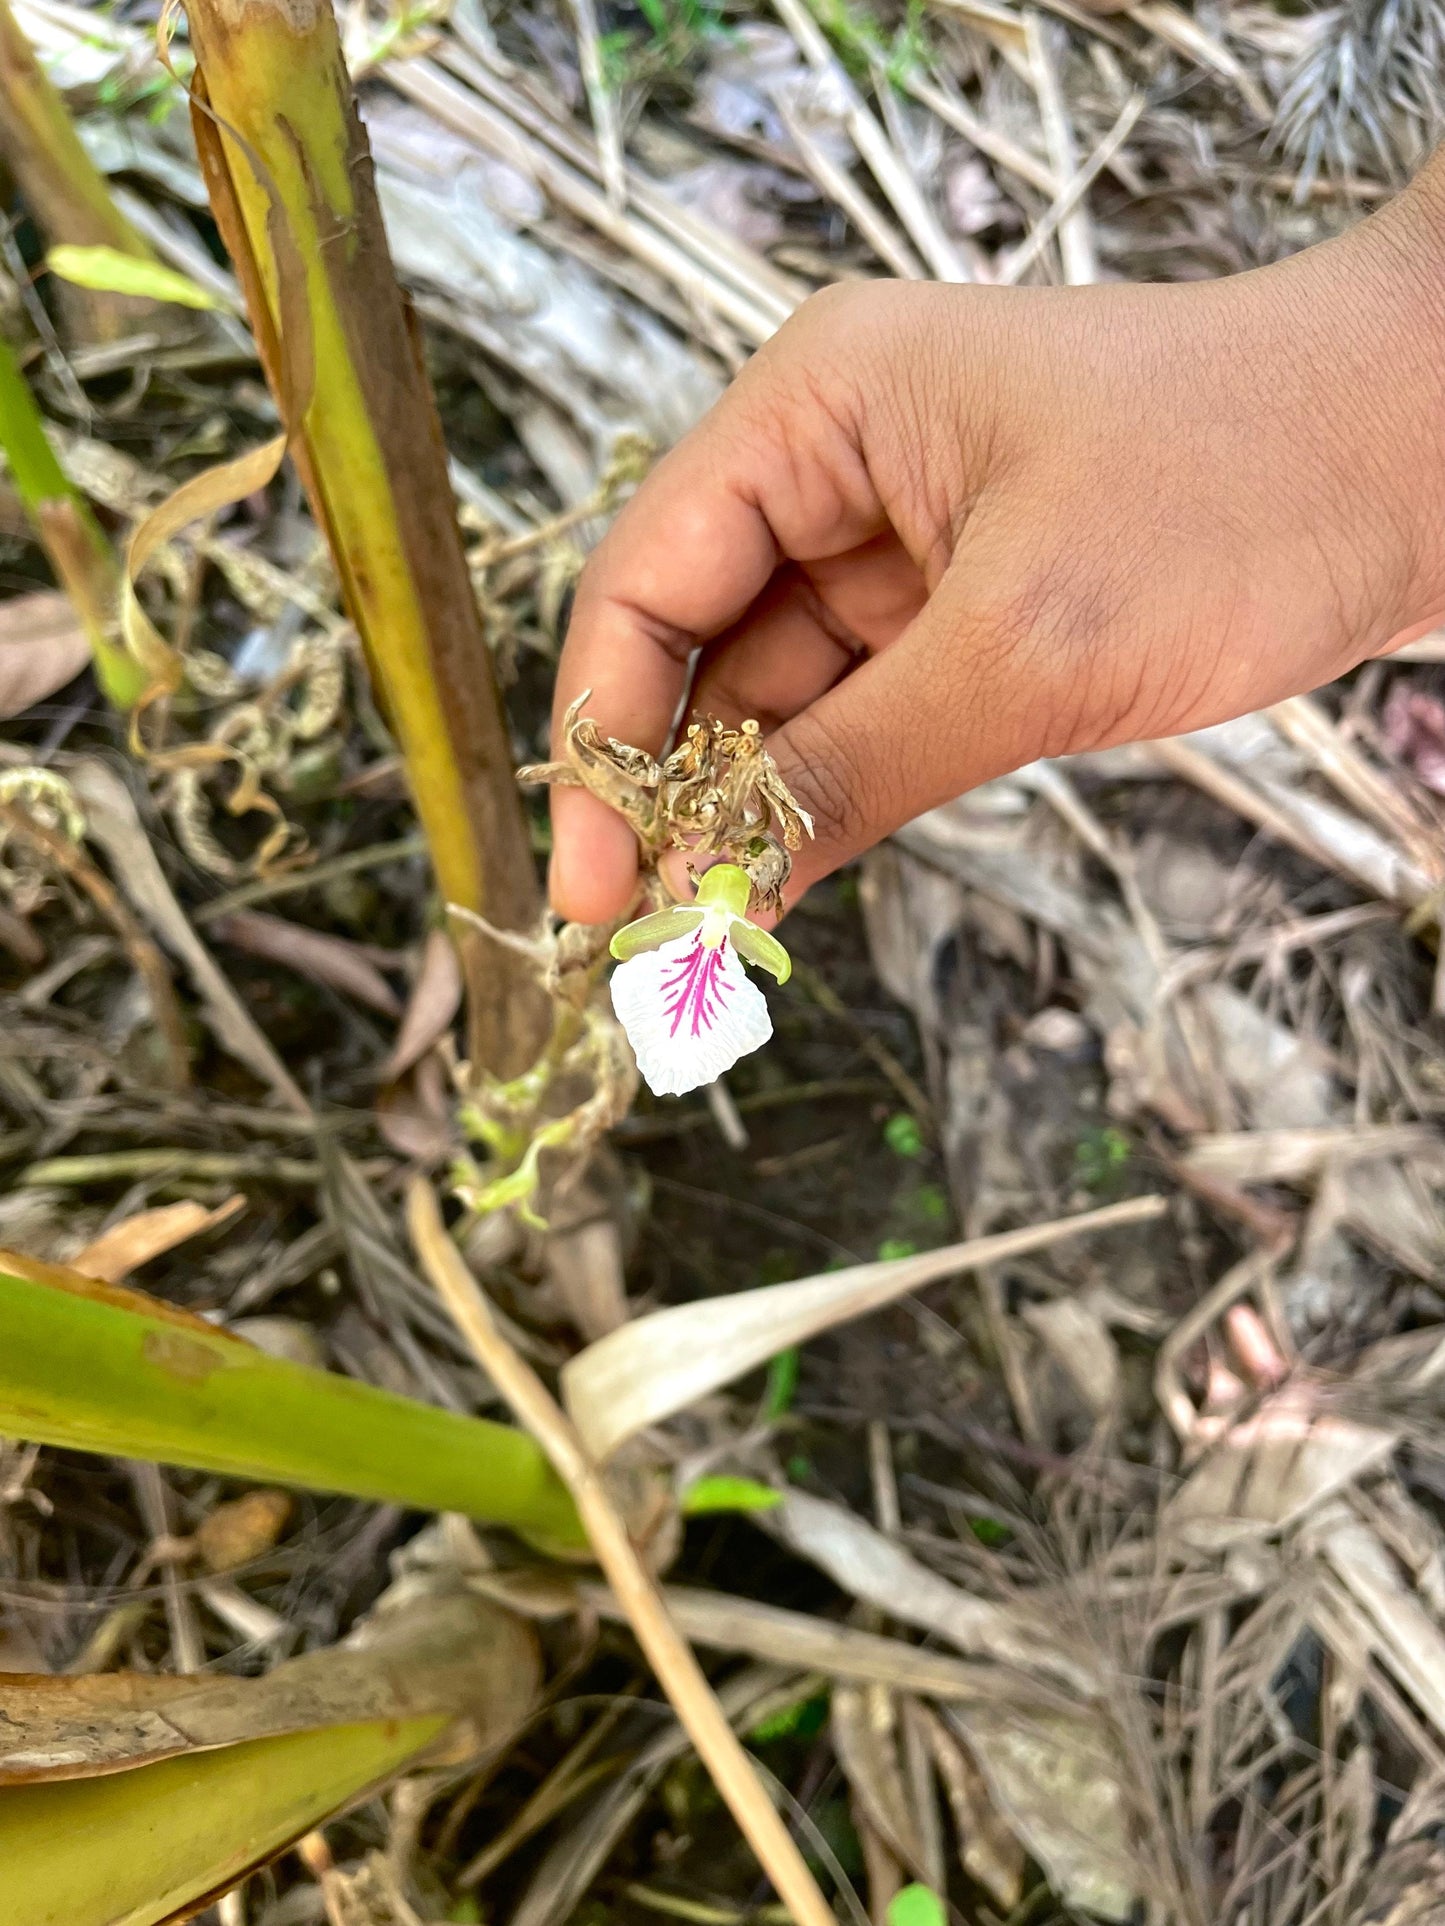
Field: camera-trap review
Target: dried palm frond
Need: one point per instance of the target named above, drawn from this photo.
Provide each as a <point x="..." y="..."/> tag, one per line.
<point x="1368" y="92"/>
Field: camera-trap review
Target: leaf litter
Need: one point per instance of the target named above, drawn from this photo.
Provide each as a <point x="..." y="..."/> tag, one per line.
<point x="1167" y="1509"/>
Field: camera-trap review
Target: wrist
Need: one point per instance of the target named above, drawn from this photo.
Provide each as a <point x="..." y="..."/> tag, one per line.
<point x="1386" y="385"/>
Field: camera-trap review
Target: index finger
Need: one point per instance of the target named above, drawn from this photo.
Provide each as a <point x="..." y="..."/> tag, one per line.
<point x="684" y="559"/>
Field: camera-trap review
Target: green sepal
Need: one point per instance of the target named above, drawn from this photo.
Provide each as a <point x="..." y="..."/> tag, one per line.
<point x="725" y="886"/>
<point x="651" y="932"/>
<point x="758" y="947"/>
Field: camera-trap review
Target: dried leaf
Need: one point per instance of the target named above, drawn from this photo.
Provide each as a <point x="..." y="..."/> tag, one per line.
<point x="1273" y="1468"/>
<point x="656" y="1365"/>
<point x="1295" y="1156"/>
<point x="430" y="1657"/>
<point x="213" y="489"/>
<point x="583" y="1257"/>
<point x="335" y="960"/>
<point x="990" y="1852"/>
<point x="414" y="1117"/>
<point x="434" y="1001"/>
<point x="1400" y="1629"/>
<point x="42" y="647"/>
<point x="126" y="1246"/>
<point x="112" y="821"/>
<point x="238" y="1767"/>
<point x="242" y="1529"/>
<point x="1056" y="1779"/>
<point x="879" y="1572"/>
<point x="1078" y="1340"/>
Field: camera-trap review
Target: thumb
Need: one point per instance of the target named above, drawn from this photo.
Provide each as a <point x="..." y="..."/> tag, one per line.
<point x="910" y="728"/>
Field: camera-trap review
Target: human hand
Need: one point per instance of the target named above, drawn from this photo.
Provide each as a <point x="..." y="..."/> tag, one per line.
<point x="932" y="533"/>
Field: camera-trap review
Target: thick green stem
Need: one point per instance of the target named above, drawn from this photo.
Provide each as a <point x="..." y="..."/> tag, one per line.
<point x="82" y="558"/>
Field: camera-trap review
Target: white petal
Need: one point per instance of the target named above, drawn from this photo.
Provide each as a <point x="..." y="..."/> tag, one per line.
<point x="689" y="1012"/>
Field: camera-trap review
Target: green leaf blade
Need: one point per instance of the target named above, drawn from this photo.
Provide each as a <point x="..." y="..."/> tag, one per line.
<point x="139" y="1847"/>
<point x="916" y="1906"/>
<point x="109" y="271"/>
<point x="723" y="1494"/>
<point x="93" y="1373"/>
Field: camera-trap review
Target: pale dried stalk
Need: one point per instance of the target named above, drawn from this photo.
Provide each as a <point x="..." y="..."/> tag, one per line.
<point x="1073" y="193"/>
<point x="672" y="1660"/>
<point x="843" y="1651"/>
<point x="601" y="101"/>
<point x="1297" y="820"/>
<point x="923" y="226"/>
<point x="753" y="274"/>
<point x="1302" y="722"/>
<point x="1428" y="648"/>
<point x="423" y="82"/>
<point x="839" y="187"/>
<point x="1076" y="230"/>
<point x="998" y="147"/>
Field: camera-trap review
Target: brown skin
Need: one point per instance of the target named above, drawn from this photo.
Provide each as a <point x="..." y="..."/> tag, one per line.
<point x="931" y="533"/>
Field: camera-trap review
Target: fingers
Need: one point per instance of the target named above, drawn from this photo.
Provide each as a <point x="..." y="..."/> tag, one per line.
<point x="683" y="560"/>
<point x="778" y="659"/>
<point x="908" y="730"/>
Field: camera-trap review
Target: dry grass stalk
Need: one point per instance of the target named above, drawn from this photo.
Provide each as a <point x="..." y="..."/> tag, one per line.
<point x="785" y="1637"/>
<point x="899" y="187"/>
<point x="508" y="89"/>
<point x="1075" y="229"/>
<point x="998" y="146"/>
<point x="1317" y="830"/>
<point x="602" y="101"/>
<point x="1302" y="721"/>
<point x="839" y="187"/>
<point x="423" y="82"/>
<point x="677" y="1670"/>
<point x="1072" y="194"/>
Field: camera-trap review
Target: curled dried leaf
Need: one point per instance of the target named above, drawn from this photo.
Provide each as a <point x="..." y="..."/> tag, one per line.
<point x="718" y="793"/>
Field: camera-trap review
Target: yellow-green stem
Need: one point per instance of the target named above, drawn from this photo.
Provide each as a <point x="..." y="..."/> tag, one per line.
<point x="290" y="180"/>
<point x="82" y="558"/>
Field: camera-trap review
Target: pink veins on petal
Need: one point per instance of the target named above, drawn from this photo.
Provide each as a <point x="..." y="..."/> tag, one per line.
<point x="695" y="990"/>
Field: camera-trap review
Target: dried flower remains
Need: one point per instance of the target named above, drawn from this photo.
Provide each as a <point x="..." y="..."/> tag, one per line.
<point x="681" y="993"/>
